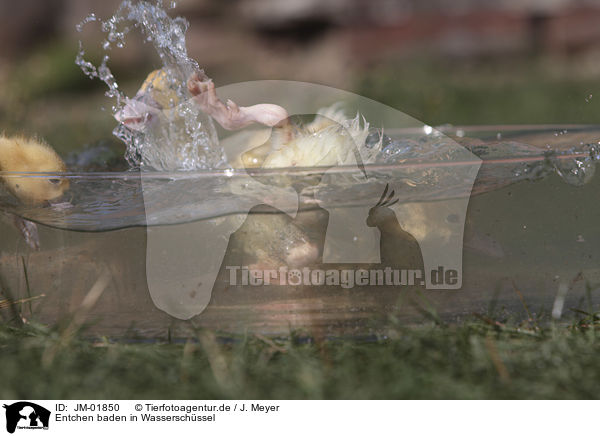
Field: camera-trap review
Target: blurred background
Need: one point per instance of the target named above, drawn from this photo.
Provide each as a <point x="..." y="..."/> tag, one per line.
<point x="462" y="62"/>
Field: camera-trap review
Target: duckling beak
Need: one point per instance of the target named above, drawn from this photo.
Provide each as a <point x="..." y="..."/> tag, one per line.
<point x="137" y="113"/>
<point x="63" y="201"/>
<point x="58" y="205"/>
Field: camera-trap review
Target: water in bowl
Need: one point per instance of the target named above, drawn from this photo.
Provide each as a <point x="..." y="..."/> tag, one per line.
<point x="530" y="245"/>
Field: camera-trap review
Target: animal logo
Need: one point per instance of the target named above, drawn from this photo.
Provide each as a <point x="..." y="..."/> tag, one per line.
<point x="26" y="415"/>
<point x="183" y="260"/>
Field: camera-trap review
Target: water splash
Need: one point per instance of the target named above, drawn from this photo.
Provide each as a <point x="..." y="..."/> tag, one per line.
<point x="184" y="138"/>
<point x="577" y="165"/>
<point x="504" y="161"/>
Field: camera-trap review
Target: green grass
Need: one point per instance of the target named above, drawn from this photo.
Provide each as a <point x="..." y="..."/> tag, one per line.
<point x="479" y="359"/>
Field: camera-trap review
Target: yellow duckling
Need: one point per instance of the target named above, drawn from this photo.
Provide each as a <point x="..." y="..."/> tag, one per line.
<point x="156" y="95"/>
<point x="22" y="155"/>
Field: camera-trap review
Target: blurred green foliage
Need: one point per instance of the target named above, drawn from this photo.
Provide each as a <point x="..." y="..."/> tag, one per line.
<point x="522" y="91"/>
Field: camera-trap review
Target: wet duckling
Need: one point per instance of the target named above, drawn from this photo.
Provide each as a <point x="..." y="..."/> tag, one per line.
<point x="155" y="96"/>
<point x="19" y="154"/>
<point x="330" y="139"/>
<point x="159" y="94"/>
<point x="327" y="140"/>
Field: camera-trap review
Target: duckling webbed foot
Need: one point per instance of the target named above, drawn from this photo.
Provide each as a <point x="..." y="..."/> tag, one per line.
<point x="29" y="232"/>
<point x="231" y="116"/>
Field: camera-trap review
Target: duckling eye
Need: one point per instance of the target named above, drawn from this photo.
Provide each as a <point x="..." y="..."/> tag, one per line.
<point x="54" y="181"/>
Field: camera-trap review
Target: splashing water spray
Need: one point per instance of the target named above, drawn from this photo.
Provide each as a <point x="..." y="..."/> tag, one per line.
<point x="183" y="138"/>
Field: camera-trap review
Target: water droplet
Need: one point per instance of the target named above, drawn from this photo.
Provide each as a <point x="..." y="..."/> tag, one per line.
<point x="374" y="138"/>
<point x="190" y="141"/>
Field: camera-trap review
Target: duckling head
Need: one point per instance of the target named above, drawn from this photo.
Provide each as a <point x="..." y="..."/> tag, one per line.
<point x="158" y="93"/>
<point x="22" y="155"/>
